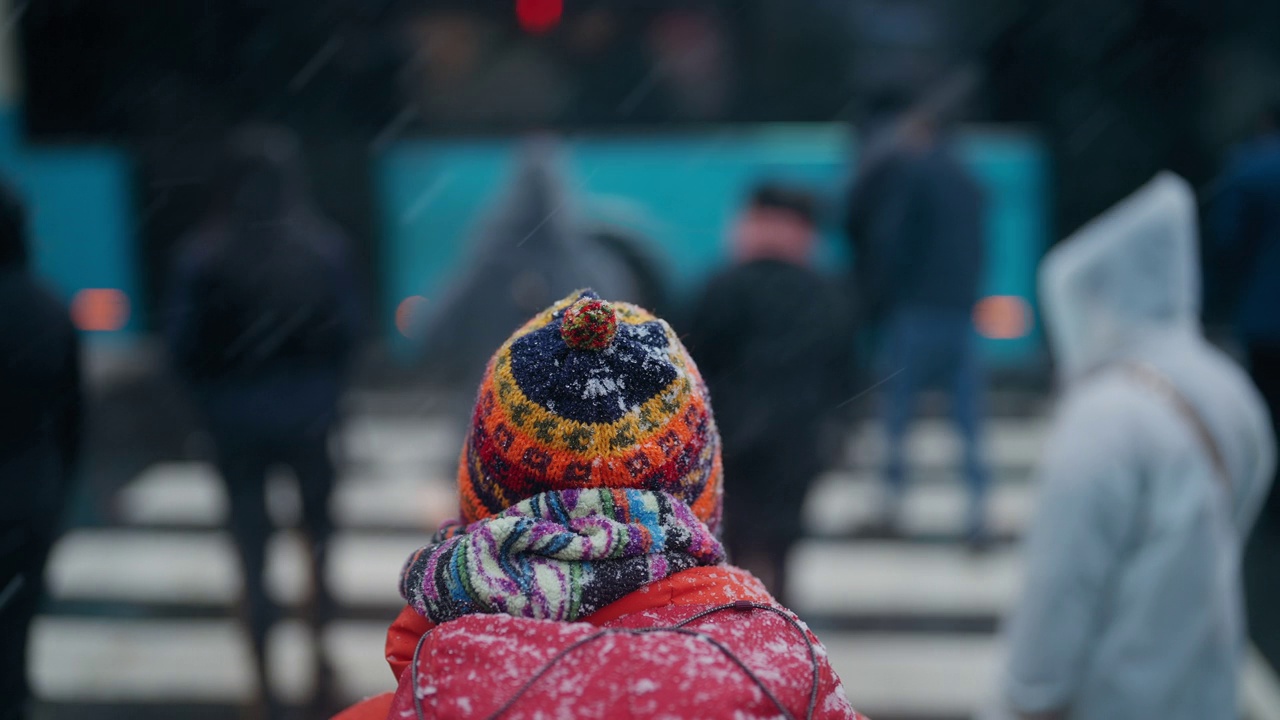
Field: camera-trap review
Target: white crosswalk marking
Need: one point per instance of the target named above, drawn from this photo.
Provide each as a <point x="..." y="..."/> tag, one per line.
<point x="165" y="567"/>
<point x="900" y="579"/>
<point x="914" y="675"/>
<point x="193" y="660"/>
<point x="190" y="494"/>
<point x="170" y="553"/>
<point x="843" y="502"/>
<point x="1260" y="688"/>
<point x="1008" y="443"/>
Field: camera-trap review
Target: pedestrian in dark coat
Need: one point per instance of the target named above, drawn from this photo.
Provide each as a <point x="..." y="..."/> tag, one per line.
<point x="1245" y="225"/>
<point x="264" y="323"/>
<point x="40" y="428"/>
<point x="917" y="220"/>
<point x="772" y="338"/>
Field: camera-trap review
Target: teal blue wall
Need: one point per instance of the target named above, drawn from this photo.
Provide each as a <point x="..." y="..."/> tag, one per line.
<point x="82" y="230"/>
<point x="433" y="194"/>
<point x="1014" y="171"/>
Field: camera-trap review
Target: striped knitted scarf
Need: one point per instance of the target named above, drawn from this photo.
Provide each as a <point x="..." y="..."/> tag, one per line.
<point x="557" y="556"/>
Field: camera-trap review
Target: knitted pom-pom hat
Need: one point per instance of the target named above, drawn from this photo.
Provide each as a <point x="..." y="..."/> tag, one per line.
<point x="591" y="394"/>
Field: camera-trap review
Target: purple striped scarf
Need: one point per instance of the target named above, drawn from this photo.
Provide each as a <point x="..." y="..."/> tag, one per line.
<point x="557" y="556"/>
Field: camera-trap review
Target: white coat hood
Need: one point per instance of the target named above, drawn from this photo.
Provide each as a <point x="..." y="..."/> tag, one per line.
<point x="1131" y="605"/>
<point x="1130" y="274"/>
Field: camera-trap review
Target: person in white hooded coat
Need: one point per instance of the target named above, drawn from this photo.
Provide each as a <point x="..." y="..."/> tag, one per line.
<point x="1159" y="458"/>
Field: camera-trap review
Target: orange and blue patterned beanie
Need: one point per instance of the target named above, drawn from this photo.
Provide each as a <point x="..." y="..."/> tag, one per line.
<point x="591" y="394"/>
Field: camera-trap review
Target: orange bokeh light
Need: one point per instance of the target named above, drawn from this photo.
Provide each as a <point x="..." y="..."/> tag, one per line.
<point x="1002" y="317"/>
<point x="408" y="313"/>
<point x="100" y="309"/>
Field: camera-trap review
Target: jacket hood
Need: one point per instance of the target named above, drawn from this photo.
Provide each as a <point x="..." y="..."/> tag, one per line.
<point x="529" y="251"/>
<point x="1129" y="275"/>
<point x="533" y="216"/>
<point x="260" y="176"/>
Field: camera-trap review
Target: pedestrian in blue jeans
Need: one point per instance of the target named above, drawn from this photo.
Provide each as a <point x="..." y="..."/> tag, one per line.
<point x="916" y="220"/>
<point x="935" y="347"/>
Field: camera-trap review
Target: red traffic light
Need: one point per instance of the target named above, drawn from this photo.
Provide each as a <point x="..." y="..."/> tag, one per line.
<point x="539" y="16"/>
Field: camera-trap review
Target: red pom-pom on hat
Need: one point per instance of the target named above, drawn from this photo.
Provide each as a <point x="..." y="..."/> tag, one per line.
<point x="589" y="324"/>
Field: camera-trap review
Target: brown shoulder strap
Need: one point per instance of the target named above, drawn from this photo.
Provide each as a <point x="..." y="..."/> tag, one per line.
<point x="1156" y="381"/>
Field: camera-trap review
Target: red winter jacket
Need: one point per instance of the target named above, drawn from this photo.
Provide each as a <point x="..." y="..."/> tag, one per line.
<point x="471" y="667"/>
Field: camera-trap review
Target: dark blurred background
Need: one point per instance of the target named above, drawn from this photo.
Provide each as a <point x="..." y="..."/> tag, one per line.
<point x="1129" y="85"/>
<point x="1114" y="90"/>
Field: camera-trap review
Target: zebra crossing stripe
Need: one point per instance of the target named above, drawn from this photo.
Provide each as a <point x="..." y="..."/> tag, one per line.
<point x="83" y="660"/>
<point x="189" y="494"/>
<point x="1260" y="688"/>
<point x="123" y="661"/>
<point x="200" y="567"/>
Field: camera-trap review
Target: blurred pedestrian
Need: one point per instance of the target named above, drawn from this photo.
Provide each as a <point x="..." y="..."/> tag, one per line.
<point x="1245" y="226"/>
<point x="1157" y="463"/>
<point x="530" y="250"/>
<point x="627" y="232"/>
<point x="916" y="219"/>
<point x="264" y="324"/>
<point x="771" y="336"/>
<point x="40" y="430"/>
<point x="590" y="490"/>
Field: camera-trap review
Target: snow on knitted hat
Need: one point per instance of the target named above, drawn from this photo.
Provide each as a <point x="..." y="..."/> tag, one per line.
<point x="591" y="394"/>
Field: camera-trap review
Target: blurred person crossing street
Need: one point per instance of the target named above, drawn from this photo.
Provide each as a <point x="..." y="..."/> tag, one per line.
<point x="1156" y="466"/>
<point x="264" y="322"/>
<point x="916" y="218"/>
<point x="771" y="337"/>
<point x="40" y="436"/>
<point x="531" y="249"/>
<point x="1245" y="226"/>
